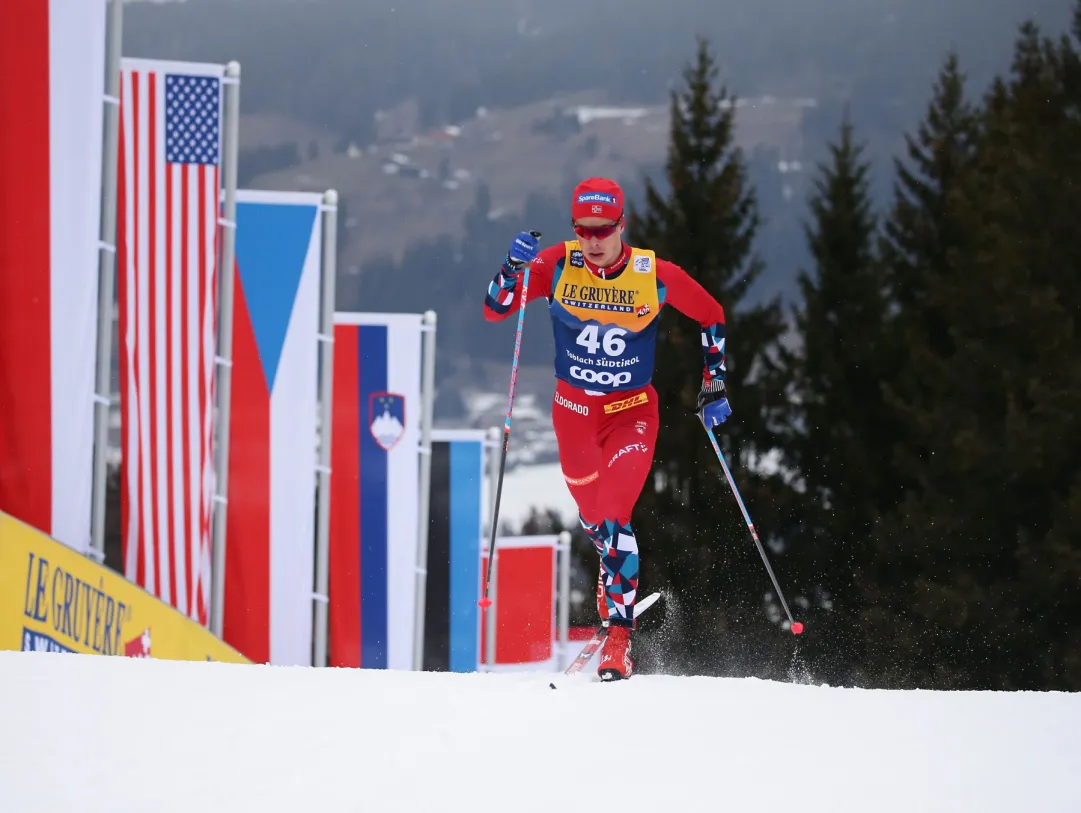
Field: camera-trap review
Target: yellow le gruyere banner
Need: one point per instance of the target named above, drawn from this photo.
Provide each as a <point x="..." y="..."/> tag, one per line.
<point x="53" y="599"/>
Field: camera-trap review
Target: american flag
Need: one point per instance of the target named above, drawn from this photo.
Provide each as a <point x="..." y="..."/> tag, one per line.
<point x="167" y="232"/>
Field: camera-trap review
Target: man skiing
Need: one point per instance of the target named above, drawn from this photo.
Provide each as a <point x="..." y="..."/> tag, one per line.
<point x="604" y="298"/>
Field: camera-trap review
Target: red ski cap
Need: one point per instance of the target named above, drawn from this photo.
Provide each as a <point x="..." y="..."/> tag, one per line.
<point x="597" y="197"/>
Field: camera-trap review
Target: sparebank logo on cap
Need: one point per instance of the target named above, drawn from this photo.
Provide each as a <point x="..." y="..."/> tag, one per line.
<point x="597" y="197"/>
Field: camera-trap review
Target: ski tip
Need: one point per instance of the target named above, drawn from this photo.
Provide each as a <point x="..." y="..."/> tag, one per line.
<point x="552" y="685"/>
<point x="644" y="604"/>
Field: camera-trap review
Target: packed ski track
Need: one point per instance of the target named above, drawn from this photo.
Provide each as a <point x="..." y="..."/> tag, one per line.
<point x="93" y="734"/>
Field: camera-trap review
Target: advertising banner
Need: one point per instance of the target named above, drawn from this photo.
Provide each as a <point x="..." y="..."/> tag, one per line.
<point x="53" y="599"/>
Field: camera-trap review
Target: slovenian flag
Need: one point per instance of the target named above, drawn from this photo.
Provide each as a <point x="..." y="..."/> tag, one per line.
<point x="270" y="532"/>
<point x="374" y="489"/>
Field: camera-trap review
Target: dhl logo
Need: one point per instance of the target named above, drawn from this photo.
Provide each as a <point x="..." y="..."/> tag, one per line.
<point x="626" y="403"/>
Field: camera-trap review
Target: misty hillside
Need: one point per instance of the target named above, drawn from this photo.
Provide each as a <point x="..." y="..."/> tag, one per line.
<point x="449" y="126"/>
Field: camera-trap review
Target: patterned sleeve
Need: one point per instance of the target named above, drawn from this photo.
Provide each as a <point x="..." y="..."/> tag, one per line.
<point x="504" y="291"/>
<point x="684" y="293"/>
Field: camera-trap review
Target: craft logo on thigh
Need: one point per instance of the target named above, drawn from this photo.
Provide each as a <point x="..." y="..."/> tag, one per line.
<point x="626" y="403"/>
<point x="632" y="447"/>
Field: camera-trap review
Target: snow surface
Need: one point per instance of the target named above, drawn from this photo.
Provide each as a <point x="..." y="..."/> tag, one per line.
<point x="91" y="733"/>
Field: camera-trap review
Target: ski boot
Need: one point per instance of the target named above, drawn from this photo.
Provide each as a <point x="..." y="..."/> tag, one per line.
<point x="616" y="662"/>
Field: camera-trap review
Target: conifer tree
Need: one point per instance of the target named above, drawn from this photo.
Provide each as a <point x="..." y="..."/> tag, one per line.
<point x="920" y="229"/>
<point x="691" y="531"/>
<point x="838" y="424"/>
<point x="985" y="545"/>
<point x="923" y="229"/>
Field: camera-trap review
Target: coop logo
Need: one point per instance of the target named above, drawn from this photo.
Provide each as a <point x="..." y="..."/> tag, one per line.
<point x="597" y="197"/>
<point x="604" y="378"/>
<point x="628" y="449"/>
<point x="581" y="409"/>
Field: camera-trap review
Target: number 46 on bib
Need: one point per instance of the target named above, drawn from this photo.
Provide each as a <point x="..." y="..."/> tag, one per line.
<point x="612" y="341"/>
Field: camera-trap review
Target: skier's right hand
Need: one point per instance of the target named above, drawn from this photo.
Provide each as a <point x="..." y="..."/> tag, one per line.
<point x="522" y="251"/>
<point x="713" y="406"/>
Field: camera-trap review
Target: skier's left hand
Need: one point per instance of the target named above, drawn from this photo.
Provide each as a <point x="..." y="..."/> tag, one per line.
<point x="713" y="407"/>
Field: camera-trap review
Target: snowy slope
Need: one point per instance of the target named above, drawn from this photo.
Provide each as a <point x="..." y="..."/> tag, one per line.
<point x="86" y="733"/>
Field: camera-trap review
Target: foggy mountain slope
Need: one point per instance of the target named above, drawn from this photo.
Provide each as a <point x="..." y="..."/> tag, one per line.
<point x="361" y="97"/>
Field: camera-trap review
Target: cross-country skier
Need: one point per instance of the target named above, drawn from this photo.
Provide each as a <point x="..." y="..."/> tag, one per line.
<point x="604" y="298"/>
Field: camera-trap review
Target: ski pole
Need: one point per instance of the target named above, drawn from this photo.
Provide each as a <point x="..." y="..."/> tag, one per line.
<point x="797" y="626"/>
<point x="484" y="600"/>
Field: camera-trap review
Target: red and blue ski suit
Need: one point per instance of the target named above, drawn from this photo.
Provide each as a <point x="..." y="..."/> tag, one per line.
<point x="604" y="410"/>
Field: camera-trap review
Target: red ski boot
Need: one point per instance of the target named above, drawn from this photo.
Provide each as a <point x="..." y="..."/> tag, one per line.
<point x="616" y="662"/>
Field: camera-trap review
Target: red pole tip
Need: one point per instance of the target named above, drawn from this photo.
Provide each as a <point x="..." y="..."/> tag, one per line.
<point x="485" y="603"/>
<point x="797" y="627"/>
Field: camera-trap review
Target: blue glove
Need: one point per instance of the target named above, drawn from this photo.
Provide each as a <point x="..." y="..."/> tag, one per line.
<point x="523" y="250"/>
<point x="713" y="407"/>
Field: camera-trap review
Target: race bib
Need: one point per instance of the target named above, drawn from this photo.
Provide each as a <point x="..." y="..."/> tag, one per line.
<point x="605" y="330"/>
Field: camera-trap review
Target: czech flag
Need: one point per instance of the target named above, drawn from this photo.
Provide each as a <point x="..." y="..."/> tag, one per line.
<point x="270" y="533"/>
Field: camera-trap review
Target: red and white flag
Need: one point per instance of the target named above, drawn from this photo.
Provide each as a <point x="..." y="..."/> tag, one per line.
<point x="167" y="230"/>
<point x="52" y="85"/>
<point x="270" y="555"/>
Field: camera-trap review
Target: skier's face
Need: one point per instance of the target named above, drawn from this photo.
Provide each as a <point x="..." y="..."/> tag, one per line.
<point x="601" y="239"/>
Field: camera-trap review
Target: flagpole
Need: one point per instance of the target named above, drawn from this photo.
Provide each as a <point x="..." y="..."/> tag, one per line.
<point x="224" y="356"/>
<point x="326" y="388"/>
<point x="106" y="277"/>
<point x="427" y="398"/>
